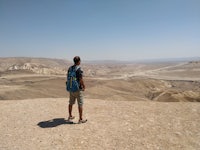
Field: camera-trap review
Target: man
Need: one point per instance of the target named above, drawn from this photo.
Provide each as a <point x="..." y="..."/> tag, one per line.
<point x="75" y="86"/>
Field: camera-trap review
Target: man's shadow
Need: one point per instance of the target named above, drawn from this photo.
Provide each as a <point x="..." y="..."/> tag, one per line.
<point x="54" y="123"/>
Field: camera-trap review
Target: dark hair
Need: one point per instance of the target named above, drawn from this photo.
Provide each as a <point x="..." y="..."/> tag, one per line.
<point x="76" y="59"/>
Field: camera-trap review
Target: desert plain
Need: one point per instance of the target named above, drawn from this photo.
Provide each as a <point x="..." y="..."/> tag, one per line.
<point x="129" y="105"/>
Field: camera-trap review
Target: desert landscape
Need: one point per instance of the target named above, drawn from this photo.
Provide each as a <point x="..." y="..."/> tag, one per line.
<point x="129" y="105"/>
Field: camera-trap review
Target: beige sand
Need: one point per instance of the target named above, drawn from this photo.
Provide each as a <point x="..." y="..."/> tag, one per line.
<point x="39" y="124"/>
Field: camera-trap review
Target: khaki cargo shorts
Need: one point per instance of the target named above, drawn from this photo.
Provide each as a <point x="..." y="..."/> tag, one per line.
<point x="76" y="95"/>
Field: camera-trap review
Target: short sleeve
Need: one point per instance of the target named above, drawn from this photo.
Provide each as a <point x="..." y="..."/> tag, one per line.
<point x="79" y="73"/>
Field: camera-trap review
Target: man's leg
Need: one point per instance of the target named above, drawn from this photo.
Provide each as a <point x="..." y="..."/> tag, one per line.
<point x="70" y="110"/>
<point x="80" y="109"/>
<point x="71" y="102"/>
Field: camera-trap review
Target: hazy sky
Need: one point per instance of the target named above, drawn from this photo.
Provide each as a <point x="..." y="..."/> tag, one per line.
<point x="100" y="29"/>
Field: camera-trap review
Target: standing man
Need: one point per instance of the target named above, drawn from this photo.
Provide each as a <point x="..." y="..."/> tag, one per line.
<point x="75" y="86"/>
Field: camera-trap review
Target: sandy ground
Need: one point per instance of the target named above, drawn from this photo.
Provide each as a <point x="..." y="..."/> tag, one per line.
<point x="40" y="124"/>
<point x="134" y="88"/>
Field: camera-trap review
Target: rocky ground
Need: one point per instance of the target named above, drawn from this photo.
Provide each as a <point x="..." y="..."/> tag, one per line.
<point x="40" y="124"/>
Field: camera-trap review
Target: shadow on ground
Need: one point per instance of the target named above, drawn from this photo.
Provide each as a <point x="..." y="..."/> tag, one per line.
<point x="54" y="123"/>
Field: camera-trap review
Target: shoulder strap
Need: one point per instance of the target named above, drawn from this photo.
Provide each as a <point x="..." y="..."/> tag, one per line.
<point x="72" y="68"/>
<point x="78" y="67"/>
<point x="75" y="67"/>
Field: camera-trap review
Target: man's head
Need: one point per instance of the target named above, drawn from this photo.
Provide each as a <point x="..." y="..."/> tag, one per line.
<point x="77" y="60"/>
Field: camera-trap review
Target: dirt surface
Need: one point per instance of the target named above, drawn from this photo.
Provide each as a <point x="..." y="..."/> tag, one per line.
<point x="40" y="124"/>
<point x="23" y="86"/>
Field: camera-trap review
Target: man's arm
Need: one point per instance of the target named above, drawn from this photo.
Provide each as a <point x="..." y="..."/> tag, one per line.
<point x="82" y="84"/>
<point x="80" y="76"/>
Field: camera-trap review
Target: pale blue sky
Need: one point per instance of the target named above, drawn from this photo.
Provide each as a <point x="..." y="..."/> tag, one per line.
<point x="100" y="29"/>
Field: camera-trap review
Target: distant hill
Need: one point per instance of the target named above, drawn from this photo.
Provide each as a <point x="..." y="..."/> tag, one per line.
<point x="35" y="65"/>
<point x="183" y="59"/>
<point x="60" y="66"/>
<point x="156" y="60"/>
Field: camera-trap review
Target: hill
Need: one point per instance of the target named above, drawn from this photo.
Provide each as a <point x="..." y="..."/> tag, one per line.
<point x="45" y="78"/>
<point x="34" y="65"/>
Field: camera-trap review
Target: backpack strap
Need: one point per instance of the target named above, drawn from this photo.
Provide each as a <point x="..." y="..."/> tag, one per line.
<point x="76" y="67"/>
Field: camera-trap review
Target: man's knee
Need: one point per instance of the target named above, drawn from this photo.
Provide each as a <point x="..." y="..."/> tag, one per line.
<point x="80" y="102"/>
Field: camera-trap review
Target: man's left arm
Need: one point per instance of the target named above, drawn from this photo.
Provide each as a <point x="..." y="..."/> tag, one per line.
<point x="82" y="84"/>
<point x="81" y="79"/>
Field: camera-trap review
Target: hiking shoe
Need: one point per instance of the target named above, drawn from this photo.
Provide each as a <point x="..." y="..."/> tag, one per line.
<point x="82" y="121"/>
